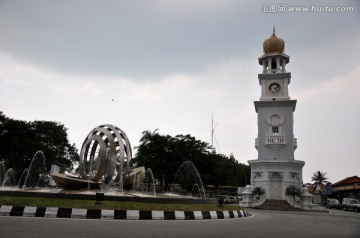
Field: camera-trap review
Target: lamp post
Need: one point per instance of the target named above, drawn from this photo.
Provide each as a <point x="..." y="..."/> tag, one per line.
<point x="164" y="168"/>
<point x="163" y="175"/>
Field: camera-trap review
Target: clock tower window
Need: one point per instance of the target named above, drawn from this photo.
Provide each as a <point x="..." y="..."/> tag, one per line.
<point x="275" y="131"/>
<point x="273" y="65"/>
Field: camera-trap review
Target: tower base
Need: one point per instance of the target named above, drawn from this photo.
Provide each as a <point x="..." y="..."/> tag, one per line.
<point x="274" y="176"/>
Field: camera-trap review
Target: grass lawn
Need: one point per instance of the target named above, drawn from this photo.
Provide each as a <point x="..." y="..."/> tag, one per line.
<point x="111" y="205"/>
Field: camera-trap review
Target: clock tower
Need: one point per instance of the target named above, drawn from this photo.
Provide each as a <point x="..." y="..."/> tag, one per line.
<point x="275" y="168"/>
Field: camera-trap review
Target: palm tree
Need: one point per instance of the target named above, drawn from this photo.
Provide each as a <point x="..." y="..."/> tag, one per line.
<point x="319" y="177"/>
<point x="152" y="152"/>
<point x="148" y="136"/>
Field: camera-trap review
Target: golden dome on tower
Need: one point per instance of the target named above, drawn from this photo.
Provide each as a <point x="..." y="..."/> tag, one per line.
<point x="274" y="45"/>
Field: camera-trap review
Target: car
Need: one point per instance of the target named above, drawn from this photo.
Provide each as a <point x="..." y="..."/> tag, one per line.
<point x="332" y="203"/>
<point x="226" y="199"/>
<point x="231" y="199"/>
<point x="351" y="204"/>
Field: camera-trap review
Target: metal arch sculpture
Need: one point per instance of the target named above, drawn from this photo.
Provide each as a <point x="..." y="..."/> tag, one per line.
<point x="105" y="154"/>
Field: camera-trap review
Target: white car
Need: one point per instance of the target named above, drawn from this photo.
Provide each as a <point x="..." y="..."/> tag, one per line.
<point x="351" y="204"/>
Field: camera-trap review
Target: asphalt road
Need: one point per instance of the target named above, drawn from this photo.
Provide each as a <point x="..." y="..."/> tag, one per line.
<point x="261" y="224"/>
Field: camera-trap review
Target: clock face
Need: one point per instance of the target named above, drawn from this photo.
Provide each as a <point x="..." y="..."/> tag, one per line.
<point x="274" y="88"/>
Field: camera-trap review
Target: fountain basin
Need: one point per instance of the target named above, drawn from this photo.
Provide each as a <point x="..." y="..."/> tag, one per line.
<point x="109" y="196"/>
<point x="69" y="181"/>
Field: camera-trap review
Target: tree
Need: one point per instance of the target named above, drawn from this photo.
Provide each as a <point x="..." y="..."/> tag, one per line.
<point x="319" y="177"/>
<point x="164" y="154"/>
<point x="258" y="191"/>
<point x="293" y="191"/>
<point x="149" y="153"/>
<point x="20" y="140"/>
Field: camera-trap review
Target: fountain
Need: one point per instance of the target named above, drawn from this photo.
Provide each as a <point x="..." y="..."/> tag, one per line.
<point x="44" y="177"/>
<point x="104" y="169"/>
<point x="2" y="172"/>
<point x="136" y="184"/>
<point x="104" y="161"/>
<point x="104" y="164"/>
<point x="37" y="167"/>
<point x="195" y="191"/>
<point x="9" y="178"/>
<point x="147" y="183"/>
<point x="185" y="179"/>
<point x="22" y="175"/>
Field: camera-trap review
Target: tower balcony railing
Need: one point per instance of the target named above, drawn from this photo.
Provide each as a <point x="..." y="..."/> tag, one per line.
<point x="275" y="140"/>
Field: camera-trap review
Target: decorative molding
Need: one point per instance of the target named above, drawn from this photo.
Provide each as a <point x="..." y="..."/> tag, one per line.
<point x="257" y="175"/>
<point x="294" y="175"/>
<point x="274" y="76"/>
<point x="270" y="118"/>
<point x="272" y="173"/>
<point x="279" y="103"/>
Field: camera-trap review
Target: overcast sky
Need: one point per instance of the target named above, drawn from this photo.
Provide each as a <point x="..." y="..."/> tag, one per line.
<point x="148" y="64"/>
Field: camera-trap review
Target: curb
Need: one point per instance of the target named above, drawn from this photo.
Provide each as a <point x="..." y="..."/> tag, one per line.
<point x="76" y="213"/>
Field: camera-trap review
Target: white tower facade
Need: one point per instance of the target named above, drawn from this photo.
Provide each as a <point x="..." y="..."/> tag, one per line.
<point x="275" y="168"/>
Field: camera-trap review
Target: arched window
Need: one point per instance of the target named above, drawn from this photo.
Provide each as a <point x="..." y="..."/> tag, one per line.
<point x="275" y="131"/>
<point x="273" y="64"/>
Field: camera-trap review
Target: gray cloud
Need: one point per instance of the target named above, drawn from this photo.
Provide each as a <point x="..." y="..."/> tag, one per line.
<point x="151" y="38"/>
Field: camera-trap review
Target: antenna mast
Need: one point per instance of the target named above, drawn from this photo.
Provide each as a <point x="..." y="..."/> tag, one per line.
<point x="213" y="150"/>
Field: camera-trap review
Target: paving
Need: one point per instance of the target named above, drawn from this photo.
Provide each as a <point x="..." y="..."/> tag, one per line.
<point x="54" y="212"/>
